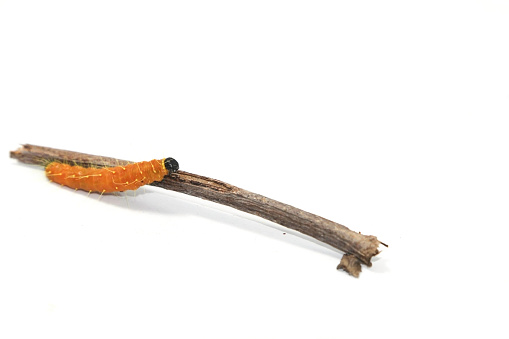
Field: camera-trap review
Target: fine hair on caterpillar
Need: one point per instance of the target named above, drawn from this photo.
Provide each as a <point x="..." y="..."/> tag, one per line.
<point x="110" y="179"/>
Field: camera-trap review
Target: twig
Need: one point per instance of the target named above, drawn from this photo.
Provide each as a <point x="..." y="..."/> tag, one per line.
<point x="358" y="248"/>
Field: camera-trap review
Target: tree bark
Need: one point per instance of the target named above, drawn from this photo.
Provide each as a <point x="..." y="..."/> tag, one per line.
<point x="358" y="248"/>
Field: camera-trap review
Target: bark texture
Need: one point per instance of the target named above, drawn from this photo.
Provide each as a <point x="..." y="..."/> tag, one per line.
<point x="358" y="248"/>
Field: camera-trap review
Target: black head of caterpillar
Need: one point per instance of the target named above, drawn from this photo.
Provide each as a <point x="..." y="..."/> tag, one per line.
<point x="171" y="165"/>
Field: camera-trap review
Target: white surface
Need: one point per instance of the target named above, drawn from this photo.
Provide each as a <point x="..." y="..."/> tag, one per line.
<point x="399" y="107"/>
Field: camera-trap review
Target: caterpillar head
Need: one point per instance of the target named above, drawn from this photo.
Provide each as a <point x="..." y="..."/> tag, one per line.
<point x="171" y="165"/>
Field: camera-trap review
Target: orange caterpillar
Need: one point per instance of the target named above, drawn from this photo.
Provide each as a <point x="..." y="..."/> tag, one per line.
<point x="110" y="179"/>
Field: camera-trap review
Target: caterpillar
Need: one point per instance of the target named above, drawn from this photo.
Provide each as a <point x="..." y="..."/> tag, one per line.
<point x="110" y="179"/>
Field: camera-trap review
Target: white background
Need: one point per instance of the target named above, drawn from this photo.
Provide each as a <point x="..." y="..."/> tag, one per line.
<point x="386" y="116"/>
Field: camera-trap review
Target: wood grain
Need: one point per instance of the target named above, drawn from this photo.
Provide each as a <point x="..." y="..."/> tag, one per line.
<point x="359" y="248"/>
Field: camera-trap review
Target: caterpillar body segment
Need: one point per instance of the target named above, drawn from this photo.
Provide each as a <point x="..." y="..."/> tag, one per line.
<point x="111" y="179"/>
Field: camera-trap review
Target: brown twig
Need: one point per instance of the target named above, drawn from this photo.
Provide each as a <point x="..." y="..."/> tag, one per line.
<point x="358" y="248"/>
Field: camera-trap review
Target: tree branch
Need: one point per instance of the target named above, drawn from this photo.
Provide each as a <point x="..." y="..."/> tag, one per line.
<point x="358" y="248"/>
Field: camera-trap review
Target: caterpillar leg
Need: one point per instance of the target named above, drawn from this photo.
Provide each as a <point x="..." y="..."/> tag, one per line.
<point x="126" y="200"/>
